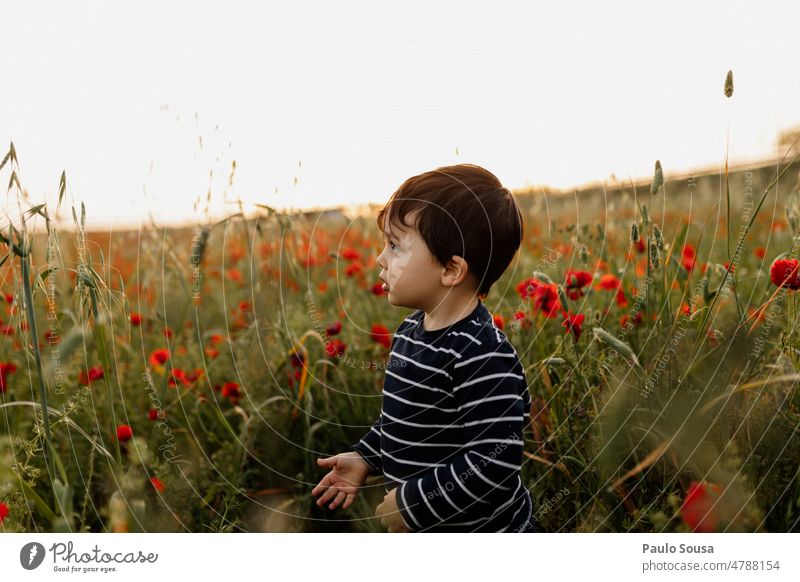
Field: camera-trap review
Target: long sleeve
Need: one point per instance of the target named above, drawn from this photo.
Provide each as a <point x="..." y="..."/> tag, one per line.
<point x="369" y="446"/>
<point x="492" y="402"/>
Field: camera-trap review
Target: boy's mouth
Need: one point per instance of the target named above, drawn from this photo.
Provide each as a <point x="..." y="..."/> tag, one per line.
<point x="385" y="286"/>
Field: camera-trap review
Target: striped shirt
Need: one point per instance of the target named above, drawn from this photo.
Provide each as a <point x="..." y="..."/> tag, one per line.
<point x="455" y="404"/>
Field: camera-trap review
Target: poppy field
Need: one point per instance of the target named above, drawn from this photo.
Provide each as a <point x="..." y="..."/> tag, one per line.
<point x="172" y="379"/>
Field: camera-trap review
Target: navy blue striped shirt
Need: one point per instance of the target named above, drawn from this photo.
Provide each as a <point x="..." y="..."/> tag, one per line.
<point x="455" y="404"/>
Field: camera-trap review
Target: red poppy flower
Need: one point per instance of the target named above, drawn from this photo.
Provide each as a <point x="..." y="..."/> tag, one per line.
<point x="136" y="319"/>
<point x="296" y="359"/>
<point x="519" y="315"/>
<point x="335" y="348"/>
<point x="3" y="511"/>
<point x="333" y="329"/>
<point x="760" y="252"/>
<point x="216" y="339"/>
<point x="9" y="298"/>
<point x="85" y="378"/>
<point x="6" y="368"/>
<point x="527" y="288"/>
<point x="231" y="391"/>
<point x="641" y="246"/>
<point x="159" y="357"/>
<point x="381" y="335"/>
<point x="124" y="433"/>
<point x="698" y="510"/>
<point x="635" y="320"/>
<point x="688" y="257"/>
<point x="350" y="254"/>
<point x="608" y="282"/>
<point x="167" y="332"/>
<point x="211" y="352"/>
<point x="499" y="321"/>
<point x="622" y="301"/>
<point x="157" y="484"/>
<point x="731" y="268"/>
<point x="353" y="269"/>
<point x="309" y="261"/>
<point x="377" y="289"/>
<point x="152" y="414"/>
<point x="575" y="282"/>
<point x="546" y="300"/>
<point x="234" y="274"/>
<point x="176" y="376"/>
<point x="784" y="273"/>
<point x="573" y="323"/>
<point x="194" y="375"/>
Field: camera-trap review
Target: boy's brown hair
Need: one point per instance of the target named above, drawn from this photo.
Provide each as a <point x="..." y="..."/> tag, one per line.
<point x="464" y="210"/>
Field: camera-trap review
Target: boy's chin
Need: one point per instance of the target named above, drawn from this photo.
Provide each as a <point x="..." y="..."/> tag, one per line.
<point x="396" y="301"/>
<point x="393" y="299"/>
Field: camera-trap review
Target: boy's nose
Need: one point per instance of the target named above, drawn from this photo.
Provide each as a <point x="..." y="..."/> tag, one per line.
<point x="381" y="262"/>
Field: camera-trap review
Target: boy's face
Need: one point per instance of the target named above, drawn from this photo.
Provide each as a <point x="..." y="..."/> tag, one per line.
<point x="410" y="271"/>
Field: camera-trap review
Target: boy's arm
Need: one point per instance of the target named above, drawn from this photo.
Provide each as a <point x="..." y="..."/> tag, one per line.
<point x="370" y="444"/>
<point x="493" y="413"/>
<point x="369" y="447"/>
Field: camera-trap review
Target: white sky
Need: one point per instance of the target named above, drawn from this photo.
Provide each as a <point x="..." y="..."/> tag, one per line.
<point x="365" y="94"/>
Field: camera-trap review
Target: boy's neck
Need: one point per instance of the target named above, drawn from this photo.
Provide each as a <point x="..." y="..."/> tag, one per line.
<point x="447" y="313"/>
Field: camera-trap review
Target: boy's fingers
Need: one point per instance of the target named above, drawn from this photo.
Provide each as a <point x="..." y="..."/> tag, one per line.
<point x="349" y="500"/>
<point x="341" y="495"/>
<point x="331" y="492"/>
<point x="327" y="462"/>
<point x="322" y="485"/>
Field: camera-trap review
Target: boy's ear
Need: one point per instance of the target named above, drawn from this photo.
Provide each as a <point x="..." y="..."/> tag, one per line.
<point x="455" y="271"/>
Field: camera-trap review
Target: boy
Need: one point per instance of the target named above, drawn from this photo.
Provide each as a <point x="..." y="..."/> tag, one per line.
<point x="455" y="403"/>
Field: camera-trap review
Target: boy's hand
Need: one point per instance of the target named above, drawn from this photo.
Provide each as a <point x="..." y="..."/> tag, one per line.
<point x="389" y="513"/>
<point x="348" y="472"/>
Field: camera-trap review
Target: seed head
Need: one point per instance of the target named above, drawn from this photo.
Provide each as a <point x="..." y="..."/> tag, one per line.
<point x="659" y="238"/>
<point x="584" y="254"/>
<point x="654" y="256"/>
<point x="634" y="233"/>
<point x="658" y="178"/>
<point x="729" y="84"/>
